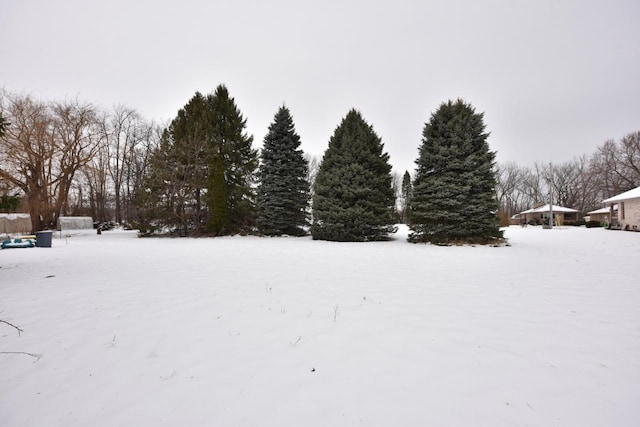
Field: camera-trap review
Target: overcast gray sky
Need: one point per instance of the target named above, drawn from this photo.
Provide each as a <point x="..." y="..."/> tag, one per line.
<point x="554" y="78"/>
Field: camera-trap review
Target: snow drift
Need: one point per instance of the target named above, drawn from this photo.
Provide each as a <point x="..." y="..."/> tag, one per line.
<point x="249" y="331"/>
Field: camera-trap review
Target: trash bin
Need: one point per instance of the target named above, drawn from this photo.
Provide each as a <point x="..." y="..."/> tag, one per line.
<point x="43" y="239"/>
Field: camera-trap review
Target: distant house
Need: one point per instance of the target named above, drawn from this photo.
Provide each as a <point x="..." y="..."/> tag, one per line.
<point x="603" y="215"/>
<point x="540" y="215"/>
<point x="628" y="208"/>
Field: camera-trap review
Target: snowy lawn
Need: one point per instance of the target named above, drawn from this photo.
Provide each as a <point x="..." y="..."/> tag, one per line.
<point x="249" y="331"/>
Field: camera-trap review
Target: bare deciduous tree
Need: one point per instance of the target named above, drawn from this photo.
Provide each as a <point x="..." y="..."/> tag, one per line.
<point x="123" y="129"/>
<point x="95" y="180"/>
<point x="533" y="184"/>
<point x="508" y="187"/>
<point x="629" y="155"/>
<point x="617" y="166"/>
<point x="43" y="148"/>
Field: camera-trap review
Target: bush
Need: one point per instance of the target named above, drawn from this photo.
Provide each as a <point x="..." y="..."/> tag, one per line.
<point x="592" y="224"/>
<point x="9" y="203"/>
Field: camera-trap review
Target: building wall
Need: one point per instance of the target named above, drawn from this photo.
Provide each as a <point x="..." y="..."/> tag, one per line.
<point x="542" y="217"/>
<point x="602" y="217"/>
<point x="631" y="213"/>
<point x="15" y="223"/>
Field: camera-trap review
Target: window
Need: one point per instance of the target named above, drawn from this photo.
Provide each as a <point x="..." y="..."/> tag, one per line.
<point x="621" y="210"/>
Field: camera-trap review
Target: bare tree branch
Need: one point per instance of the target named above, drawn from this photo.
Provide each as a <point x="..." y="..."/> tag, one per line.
<point x="37" y="356"/>
<point x="12" y="325"/>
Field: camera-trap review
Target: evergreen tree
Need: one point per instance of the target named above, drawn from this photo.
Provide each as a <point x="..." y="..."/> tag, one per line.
<point x="219" y="214"/>
<point x="10" y="203"/>
<point x="453" y="191"/>
<point x="162" y="197"/>
<point x="353" y="196"/>
<point x="405" y="192"/>
<point x="202" y="175"/>
<point x="190" y="134"/>
<point x="239" y="160"/>
<point x="283" y="193"/>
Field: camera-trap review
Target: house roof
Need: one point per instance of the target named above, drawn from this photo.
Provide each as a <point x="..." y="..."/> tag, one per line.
<point x="545" y="208"/>
<point x="631" y="194"/>
<point x="602" y="210"/>
<point x="13" y="216"/>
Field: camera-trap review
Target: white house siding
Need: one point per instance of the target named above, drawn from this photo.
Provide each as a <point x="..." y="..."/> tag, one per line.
<point x="631" y="214"/>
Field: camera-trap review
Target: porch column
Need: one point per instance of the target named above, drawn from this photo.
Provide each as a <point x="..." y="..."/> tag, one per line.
<point x="610" y="215"/>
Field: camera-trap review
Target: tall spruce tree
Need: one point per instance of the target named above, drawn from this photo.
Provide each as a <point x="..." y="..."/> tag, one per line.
<point x="240" y="163"/>
<point x="453" y="191"/>
<point x="190" y="133"/>
<point x="353" y="196"/>
<point x="405" y="192"/>
<point x="158" y="199"/>
<point x="283" y="192"/>
<point x="172" y="184"/>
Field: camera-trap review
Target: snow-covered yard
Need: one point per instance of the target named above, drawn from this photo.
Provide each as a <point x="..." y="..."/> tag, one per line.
<point x="249" y="331"/>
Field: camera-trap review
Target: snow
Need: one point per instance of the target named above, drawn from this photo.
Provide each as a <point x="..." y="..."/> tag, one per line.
<point x="13" y="216"/>
<point x="545" y="208"/>
<point x="631" y="194"/>
<point x="603" y="210"/>
<point x="246" y="331"/>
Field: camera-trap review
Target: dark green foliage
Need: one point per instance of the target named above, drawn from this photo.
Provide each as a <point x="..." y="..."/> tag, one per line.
<point x="405" y="193"/>
<point x="406" y="185"/>
<point x="283" y="193"/>
<point x="9" y="204"/>
<point x="577" y="223"/>
<point x="353" y="198"/>
<point x="161" y="200"/>
<point x="219" y="210"/>
<point x="239" y="159"/>
<point x="453" y="198"/>
<point x="190" y="134"/>
<point x="201" y="177"/>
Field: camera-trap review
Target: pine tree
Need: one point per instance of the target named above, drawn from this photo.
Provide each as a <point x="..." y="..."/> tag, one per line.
<point x="283" y="193"/>
<point x="160" y="197"/>
<point x="453" y="191"/>
<point x="219" y="210"/>
<point x="190" y="133"/>
<point x="406" y="197"/>
<point x="203" y="172"/>
<point x="353" y="196"/>
<point x="239" y="160"/>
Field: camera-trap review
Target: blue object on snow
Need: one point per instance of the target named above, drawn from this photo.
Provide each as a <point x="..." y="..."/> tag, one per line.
<point x="18" y="243"/>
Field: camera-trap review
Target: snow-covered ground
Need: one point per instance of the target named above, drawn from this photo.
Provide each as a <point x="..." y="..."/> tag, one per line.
<point x="248" y="331"/>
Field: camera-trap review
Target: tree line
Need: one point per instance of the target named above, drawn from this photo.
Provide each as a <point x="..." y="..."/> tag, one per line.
<point x="71" y="158"/>
<point x="581" y="183"/>
<point x="201" y="175"/>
